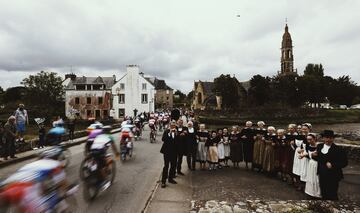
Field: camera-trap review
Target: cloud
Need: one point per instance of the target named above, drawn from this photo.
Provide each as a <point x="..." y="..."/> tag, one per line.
<point x="179" y="41"/>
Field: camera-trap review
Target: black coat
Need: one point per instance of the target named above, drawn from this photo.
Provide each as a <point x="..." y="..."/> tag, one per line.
<point x="191" y="140"/>
<point x="181" y="142"/>
<point x="338" y="159"/>
<point x="169" y="143"/>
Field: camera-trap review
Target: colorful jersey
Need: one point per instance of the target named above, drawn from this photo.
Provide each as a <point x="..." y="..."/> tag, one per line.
<point x="102" y="142"/>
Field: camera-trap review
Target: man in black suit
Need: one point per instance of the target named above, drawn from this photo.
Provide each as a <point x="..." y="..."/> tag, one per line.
<point x="331" y="159"/>
<point x="168" y="149"/>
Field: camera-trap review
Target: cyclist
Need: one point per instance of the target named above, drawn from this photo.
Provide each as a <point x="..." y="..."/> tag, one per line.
<point x="39" y="186"/>
<point x="100" y="146"/>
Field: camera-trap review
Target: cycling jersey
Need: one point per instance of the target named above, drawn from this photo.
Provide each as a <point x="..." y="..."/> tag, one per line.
<point x="102" y="142"/>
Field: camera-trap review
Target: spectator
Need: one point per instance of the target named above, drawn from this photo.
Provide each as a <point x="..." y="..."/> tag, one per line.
<point x="191" y="146"/>
<point x="331" y="160"/>
<point x="168" y="149"/>
<point x="58" y="122"/>
<point x="71" y="128"/>
<point x="1" y="141"/>
<point x="42" y="133"/>
<point x="181" y="144"/>
<point x="21" y="118"/>
<point x="9" y="136"/>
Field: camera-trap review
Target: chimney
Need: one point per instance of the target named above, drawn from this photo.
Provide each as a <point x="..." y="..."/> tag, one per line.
<point x="132" y="69"/>
<point x="114" y="78"/>
<point x="72" y="76"/>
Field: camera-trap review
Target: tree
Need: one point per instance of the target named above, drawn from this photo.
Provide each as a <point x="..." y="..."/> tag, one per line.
<point x="181" y="96"/>
<point x="343" y="91"/>
<point x="229" y="89"/>
<point x="190" y="95"/>
<point x="259" y="92"/>
<point x="1" y="95"/>
<point x="14" y="94"/>
<point x="314" y="70"/>
<point x="45" y="92"/>
<point x="285" y="90"/>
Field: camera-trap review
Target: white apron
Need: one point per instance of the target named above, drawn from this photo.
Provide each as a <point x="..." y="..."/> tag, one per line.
<point x="312" y="186"/>
<point x="221" y="151"/>
<point x="304" y="167"/>
<point x="297" y="161"/>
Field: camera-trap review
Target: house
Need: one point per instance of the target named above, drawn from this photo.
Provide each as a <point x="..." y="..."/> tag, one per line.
<point x="88" y="97"/>
<point x="164" y="95"/>
<point x="132" y="91"/>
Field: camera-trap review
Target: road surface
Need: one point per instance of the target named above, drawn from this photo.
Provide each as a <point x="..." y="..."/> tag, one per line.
<point x="135" y="179"/>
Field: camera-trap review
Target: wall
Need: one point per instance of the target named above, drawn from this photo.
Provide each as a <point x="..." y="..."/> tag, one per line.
<point x="133" y="89"/>
<point x="197" y="90"/>
<point x="161" y="100"/>
<point x="82" y="107"/>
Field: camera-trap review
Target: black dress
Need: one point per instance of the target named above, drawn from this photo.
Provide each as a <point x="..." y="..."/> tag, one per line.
<point x="191" y="149"/>
<point x="236" y="151"/>
<point x="248" y="143"/>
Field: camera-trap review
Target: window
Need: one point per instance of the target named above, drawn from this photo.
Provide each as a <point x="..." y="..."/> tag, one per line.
<point x="88" y="113"/>
<point x="97" y="113"/>
<point x="144" y="86"/>
<point x="121" y="112"/>
<point x="167" y="92"/>
<point x="105" y="113"/>
<point x="80" y="87"/>
<point x="88" y="87"/>
<point x="167" y="98"/>
<point x="88" y="100"/>
<point x="121" y="98"/>
<point x="199" y="98"/>
<point x="77" y="100"/>
<point x="122" y="86"/>
<point x="100" y="100"/>
<point x="97" y="87"/>
<point x="144" y="98"/>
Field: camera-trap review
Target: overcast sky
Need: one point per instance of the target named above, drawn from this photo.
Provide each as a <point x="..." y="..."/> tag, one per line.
<point x="179" y="41"/>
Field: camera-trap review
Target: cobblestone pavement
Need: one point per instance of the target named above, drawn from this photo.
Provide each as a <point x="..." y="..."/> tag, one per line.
<point x="260" y="206"/>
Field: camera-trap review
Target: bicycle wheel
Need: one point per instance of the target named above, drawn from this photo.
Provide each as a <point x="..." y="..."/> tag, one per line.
<point x="65" y="157"/>
<point x="88" y="174"/>
<point x="111" y="171"/>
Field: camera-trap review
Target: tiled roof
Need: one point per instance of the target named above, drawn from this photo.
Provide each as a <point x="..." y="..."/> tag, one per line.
<point x="158" y="83"/>
<point x="108" y="81"/>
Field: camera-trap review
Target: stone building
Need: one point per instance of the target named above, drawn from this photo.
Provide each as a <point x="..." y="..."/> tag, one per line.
<point x="88" y="97"/>
<point x="164" y="95"/>
<point x="287" y="57"/>
<point x="204" y="97"/>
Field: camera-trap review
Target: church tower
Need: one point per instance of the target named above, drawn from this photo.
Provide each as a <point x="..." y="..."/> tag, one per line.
<point x="287" y="58"/>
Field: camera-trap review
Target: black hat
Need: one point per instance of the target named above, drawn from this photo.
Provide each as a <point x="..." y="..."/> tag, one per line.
<point x="328" y="133"/>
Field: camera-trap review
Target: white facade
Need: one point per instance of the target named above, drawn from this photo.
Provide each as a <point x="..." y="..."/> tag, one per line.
<point x="131" y="92"/>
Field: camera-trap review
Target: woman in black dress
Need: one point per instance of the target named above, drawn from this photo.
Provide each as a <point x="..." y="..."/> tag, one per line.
<point x="191" y="146"/>
<point x="236" y="152"/>
<point x="247" y="139"/>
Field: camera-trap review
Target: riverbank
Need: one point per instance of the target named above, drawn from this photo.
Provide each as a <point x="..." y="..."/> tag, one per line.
<point x="280" y="116"/>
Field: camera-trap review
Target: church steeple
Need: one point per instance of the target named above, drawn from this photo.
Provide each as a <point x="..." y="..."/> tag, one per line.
<point x="287" y="59"/>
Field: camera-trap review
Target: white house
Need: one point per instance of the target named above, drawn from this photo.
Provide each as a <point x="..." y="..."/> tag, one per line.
<point x="133" y="91"/>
